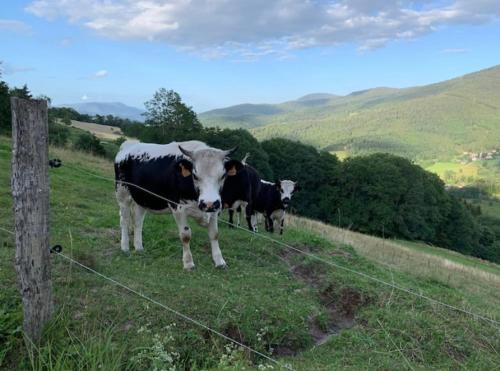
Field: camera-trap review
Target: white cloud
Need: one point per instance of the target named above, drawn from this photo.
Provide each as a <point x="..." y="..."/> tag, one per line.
<point x="225" y="28"/>
<point x="14" y="26"/>
<point x="100" y="74"/>
<point x="84" y="97"/>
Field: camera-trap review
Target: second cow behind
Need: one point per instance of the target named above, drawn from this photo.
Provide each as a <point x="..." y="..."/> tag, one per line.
<point x="244" y="189"/>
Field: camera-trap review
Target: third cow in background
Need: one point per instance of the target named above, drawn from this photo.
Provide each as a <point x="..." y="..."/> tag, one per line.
<point x="272" y="201"/>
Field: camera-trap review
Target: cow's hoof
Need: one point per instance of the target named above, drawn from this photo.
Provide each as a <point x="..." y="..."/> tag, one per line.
<point x="222" y="267"/>
<point x="139" y="249"/>
<point x="231" y="226"/>
<point x="189" y="267"/>
<point x="125" y="250"/>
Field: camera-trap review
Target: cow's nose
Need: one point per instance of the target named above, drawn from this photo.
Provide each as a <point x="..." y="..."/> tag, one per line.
<point x="286" y="201"/>
<point x="213" y="206"/>
<point x="209" y="206"/>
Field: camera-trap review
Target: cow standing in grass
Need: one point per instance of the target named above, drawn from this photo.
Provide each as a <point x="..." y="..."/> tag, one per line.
<point x="240" y="190"/>
<point x="188" y="174"/>
<point x="273" y="200"/>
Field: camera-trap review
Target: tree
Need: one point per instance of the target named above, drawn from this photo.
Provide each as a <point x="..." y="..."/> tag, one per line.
<point x="23" y="92"/>
<point x="167" y="111"/>
<point x="58" y="134"/>
<point x="316" y="172"/>
<point x="246" y="143"/>
<point x="5" y="115"/>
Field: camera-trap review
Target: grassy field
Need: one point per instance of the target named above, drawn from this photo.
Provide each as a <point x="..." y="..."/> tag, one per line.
<point x="444" y="168"/>
<point x="100" y="131"/>
<point x="300" y="311"/>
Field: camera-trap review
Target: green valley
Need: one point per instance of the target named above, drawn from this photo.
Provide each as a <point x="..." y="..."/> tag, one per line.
<point x="434" y="123"/>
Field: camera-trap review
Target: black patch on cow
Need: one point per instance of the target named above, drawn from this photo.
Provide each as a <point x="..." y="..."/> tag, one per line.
<point x="244" y="186"/>
<point x="268" y="199"/>
<point x="161" y="176"/>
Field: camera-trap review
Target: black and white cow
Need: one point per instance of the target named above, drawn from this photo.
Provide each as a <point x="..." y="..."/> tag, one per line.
<point x="240" y="191"/>
<point x="189" y="174"/>
<point x="272" y="201"/>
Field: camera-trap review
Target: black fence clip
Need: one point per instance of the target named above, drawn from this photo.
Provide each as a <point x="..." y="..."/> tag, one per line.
<point x="56" y="248"/>
<point x="55" y="162"/>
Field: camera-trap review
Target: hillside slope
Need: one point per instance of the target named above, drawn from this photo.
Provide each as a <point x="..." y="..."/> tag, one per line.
<point x="290" y="306"/>
<point x="434" y="121"/>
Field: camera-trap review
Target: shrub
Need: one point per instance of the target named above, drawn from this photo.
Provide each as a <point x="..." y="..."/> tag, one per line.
<point x="89" y="143"/>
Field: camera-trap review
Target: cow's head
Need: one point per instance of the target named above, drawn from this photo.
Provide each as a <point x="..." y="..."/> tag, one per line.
<point x="207" y="167"/>
<point x="286" y="189"/>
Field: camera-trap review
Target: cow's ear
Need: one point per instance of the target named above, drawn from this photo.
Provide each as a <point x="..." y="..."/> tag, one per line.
<point x="296" y="187"/>
<point x="185" y="167"/>
<point x="233" y="167"/>
<point x="277" y="184"/>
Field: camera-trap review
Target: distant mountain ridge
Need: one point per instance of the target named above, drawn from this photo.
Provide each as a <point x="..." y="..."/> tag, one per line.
<point x="107" y="108"/>
<point x="439" y="120"/>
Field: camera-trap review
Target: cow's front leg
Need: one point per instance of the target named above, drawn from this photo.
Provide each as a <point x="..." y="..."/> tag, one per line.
<point x="238" y="216"/>
<point x="185" y="236"/>
<point x="251" y="218"/>
<point x="213" y="235"/>
<point x="139" y="214"/>
<point x="282" y="224"/>
<point x="271" y="224"/>
<point x="231" y="214"/>
<point x="124" y="225"/>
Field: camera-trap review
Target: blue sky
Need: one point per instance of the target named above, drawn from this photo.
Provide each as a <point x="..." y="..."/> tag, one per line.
<point x="217" y="53"/>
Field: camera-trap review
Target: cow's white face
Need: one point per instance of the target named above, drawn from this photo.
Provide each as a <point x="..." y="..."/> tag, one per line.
<point x="286" y="188"/>
<point x="208" y="176"/>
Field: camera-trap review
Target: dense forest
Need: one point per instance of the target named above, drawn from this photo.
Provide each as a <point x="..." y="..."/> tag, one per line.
<point x="379" y="194"/>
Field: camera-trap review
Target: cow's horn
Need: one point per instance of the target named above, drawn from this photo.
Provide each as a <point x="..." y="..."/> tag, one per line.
<point x="229" y="152"/>
<point x="186" y="152"/>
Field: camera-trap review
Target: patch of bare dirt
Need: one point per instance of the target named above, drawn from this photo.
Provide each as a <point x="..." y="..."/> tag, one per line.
<point x="340" y="303"/>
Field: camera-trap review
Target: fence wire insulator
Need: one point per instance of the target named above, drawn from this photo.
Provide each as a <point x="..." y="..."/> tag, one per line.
<point x="56" y="249"/>
<point x="55" y="162"/>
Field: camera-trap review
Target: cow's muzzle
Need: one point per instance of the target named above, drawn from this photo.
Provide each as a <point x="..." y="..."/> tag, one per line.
<point x="209" y="207"/>
<point x="286" y="202"/>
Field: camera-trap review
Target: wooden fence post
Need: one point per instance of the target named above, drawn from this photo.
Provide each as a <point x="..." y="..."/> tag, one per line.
<point x="30" y="190"/>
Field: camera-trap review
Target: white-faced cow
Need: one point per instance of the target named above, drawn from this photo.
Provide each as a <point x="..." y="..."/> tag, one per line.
<point x="272" y="201"/>
<point x="188" y="174"/>
<point x="240" y="190"/>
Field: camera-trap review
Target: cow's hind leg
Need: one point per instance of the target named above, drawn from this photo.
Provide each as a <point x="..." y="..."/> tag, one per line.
<point x="125" y="202"/>
<point x="213" y="235"/>
<point x="282" y="224"/>
<point x="185" y="236"/>
<point x="139" y="213"/>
